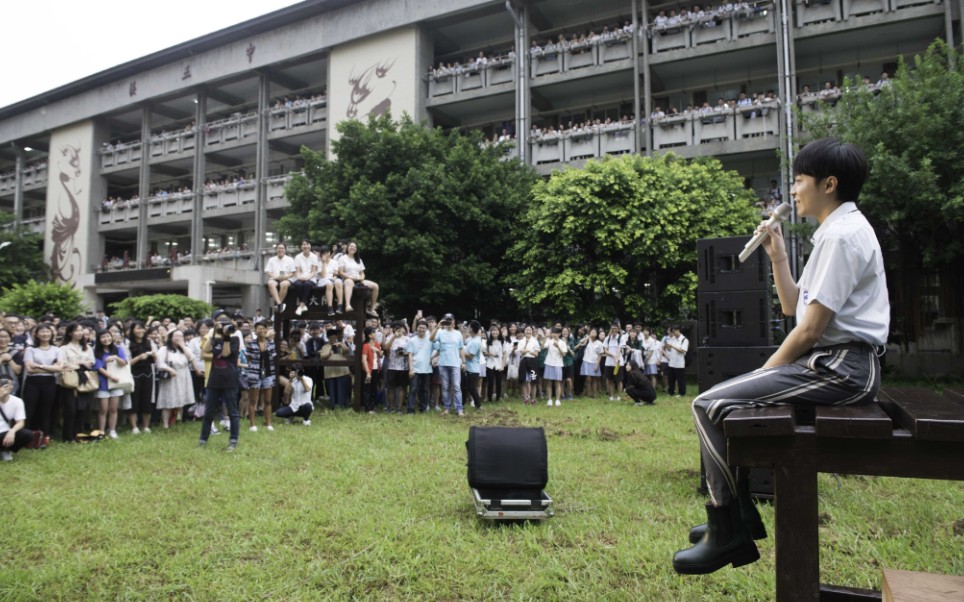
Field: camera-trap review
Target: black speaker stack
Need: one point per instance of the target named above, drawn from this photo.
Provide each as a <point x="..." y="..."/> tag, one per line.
<point x="736" y="325"/>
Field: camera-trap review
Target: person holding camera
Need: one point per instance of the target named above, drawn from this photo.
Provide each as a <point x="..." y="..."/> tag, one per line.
<point x="399" y="366"/>
<point x="297" y="389"/>
<point x="222" y="386"/>
<point x="13" y="417"/>
<point x="450" y="348"/>
<point x="337" y="378"/>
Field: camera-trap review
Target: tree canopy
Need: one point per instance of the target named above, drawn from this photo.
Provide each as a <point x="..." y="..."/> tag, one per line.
<point x="618" y="237"/>
<point x="161" y="306"/>
<point x="912" y="132"/>
<point x="22" y="259"/>
<point x="432" y="212"/>
<point x="32" y="298"/>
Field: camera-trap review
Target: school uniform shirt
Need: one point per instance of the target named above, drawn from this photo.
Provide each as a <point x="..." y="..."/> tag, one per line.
<point x="14" y="409"/>
<point x="283" y="266"/>
<point x="612" y="345"/>
<point x="300" y="395"/>
<point x="496" y="358"/>
<point x="351" y="267"/>
<point x="593" y="350"/>
<point x="326" y="269"/>
<point x="553" y="355"/>
<point x="474" y="347"/>
<point x="421" y="350"/>
<point x="654" y="351"/>
<point x="529" y="348"/>
<point x="677" y="359"/>
<point x="305" y="265"/>
<point x="845" y="274"/>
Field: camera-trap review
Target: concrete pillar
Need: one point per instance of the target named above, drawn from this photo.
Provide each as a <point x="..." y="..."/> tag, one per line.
<point x="145" y="185"/>
<point x="647" y="105"/>
<point x="18" y="185"/>
<point x="200" y="166"/>
<point x="254" y="297"/>
<point x="261" y="167"/>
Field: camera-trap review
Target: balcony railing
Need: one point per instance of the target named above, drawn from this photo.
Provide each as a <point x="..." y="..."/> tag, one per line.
<point x="236" y="127"/>
<point x="170" y="143"/>
<point x="577" y="145"/>
<point x="464" y="79"/>
<point x="230" y="196"/>
<point x="33" y="175"/>
<point x="716" y="125"/>
<point x="298" y="115"/>
<point x="580" y="55"/>
<point x="687" y="32"/>
<point x="112" y="155"/>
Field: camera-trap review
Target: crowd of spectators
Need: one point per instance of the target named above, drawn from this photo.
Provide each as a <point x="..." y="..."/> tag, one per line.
<point x="830" y="92"/>
<point x="572" y="128"/>
<point x="469" y="65"/>
<point x="228" y="184"/>
<point x="705" y="15"/>
<point x="421" y="366"/>
<point x="297" y="101"/>
<point x="578" y="42"/>
<point x="750" y="107"/>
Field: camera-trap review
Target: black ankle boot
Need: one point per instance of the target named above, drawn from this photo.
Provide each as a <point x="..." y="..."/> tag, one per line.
<point x="725" y="541"/>
<point x="748" y="513"/>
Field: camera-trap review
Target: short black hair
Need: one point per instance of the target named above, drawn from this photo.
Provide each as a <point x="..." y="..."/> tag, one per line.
<point x="830" y="157"/>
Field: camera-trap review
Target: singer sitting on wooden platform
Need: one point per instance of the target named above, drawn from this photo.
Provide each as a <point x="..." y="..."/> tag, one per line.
<point x="830" y="358"/>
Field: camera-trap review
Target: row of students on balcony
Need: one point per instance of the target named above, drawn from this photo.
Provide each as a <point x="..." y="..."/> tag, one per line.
<point x="580" y="42"/>
<point x="830" y="90"/>
<point x="749" y="106"/>
<point x="702" y="15"/>
<point x="228" y="184"/>
<point x="469" y="65"/>
<point x="590" y="126"/>
<point x="117" y="202"/>
<point x="165" y="134"/>
<point x="297" y="101"/>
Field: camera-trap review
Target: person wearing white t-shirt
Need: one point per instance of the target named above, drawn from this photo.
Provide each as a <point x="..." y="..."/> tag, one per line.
<point x="829" y="358"/>
<point x="280" y="269"/>
<point x="306" y="271"/>
<point x="612" y="351"/>
<point x="556" y="348"/>
<point x="352" y="270"/>
<point x="297" y="388"/>
<point x="13" y="417"/>
<point x="676" y="347"/>
<point x="328" y="278"/>
<point x="590" y="361"/>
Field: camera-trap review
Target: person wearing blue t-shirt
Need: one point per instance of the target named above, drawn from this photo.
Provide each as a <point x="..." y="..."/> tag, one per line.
<point x="450" y="348"/>
<point x="473" y="351"/>
<point x="420" y="348"/>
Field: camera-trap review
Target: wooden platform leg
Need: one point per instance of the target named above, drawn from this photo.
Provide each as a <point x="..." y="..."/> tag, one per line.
<point x="797" y="536"/>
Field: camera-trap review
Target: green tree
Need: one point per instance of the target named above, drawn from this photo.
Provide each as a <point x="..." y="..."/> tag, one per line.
<point x="161" y="306"/>
<point x="432" y="212"/>
<point x="913" y="135"/>
<point x="34" y="298"/>
<point x="618" y="237"/>
<point x="23" y="258"/>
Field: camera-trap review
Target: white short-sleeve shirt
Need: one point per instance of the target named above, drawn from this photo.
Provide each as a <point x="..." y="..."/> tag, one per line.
<point x="283" y="266"/>
<point x="351" y="267"/>
<point x="327" y="269"/>
<point x="14" y="410"/>
<point x="845" y="274"/>
<point x="304" y="265"/>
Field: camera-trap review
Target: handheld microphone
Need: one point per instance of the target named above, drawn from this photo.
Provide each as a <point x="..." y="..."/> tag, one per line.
<point x="779" y="214"/>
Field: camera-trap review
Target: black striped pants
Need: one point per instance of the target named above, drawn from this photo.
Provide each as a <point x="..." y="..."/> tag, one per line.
<point x="846" y="374"/>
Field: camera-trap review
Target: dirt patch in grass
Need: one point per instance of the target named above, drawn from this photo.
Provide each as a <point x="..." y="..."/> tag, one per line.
<point x="496" y="417"/>
<point x="959" y="527"/>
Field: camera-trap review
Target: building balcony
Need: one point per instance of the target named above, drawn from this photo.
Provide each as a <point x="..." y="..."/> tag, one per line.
<point x="230" y="196"/>
<point x="173" y="143"/>
<point x="724" y="125"/>
<point x="576" y="145"/>
<point x="756" y="19"/>
<point x="497" y="74"/>
<point x="120" y="155"/>
<point x="223" y="132"/>
<point x="32" y="177"/>
<point x="299" y="115"/>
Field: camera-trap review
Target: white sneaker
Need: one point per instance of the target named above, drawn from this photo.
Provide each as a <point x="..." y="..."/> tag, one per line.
<point x="135" y="431"/>
<point x="225" y="424"/>
<point x="558" y="402"/>
<point x="214" y="431"/>
<point x="147" y="429"/>
<point x="254" y="429"/>
<point x="269" y="427"/>
<point x="307" y="423"/>
<point x="113" y="434"/>
<point x="7" y="456"/>
<point x="618" y="398"/>
<point x="611" y="398"/>
<point x="549" y="403"/>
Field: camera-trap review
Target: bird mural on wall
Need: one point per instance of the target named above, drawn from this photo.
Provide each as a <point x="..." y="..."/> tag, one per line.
<point x="371" y="91"/>
<point x="65" y="257"/>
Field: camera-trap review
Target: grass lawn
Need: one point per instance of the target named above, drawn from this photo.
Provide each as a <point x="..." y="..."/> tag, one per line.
<point x="377" y="507"/>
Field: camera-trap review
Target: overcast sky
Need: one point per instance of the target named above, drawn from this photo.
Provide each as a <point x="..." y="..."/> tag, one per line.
<point x="48" y="43"/>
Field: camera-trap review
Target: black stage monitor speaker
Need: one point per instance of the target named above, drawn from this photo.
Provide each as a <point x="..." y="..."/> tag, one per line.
<point x="507" y="458"/>
<point x="717" y="364"/>
<point x="735" y="318"/>
<point x="719" y="267"/>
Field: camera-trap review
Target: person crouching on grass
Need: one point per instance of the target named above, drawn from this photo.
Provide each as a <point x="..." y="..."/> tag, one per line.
<point x="298" y="391"/>
<point x="13" y="435"/>
<point x="829" y="359"/>
<point x="638" y="386"/>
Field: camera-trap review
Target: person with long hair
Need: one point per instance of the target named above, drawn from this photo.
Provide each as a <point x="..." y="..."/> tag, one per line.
<point x="399" y="364"/>
<point x="42" y="362"/>
<point x="613" y="354"/>
<point x="568" y="359"/>
<point x="107" y="353"/>
<point x="556" y="349"/>
<point x="260" y="374"/>
<point x="352" y="270"/>
<point x="143" y="355"/>
<point x="79" y="356"/>
<point x="222" y="385"/>
<point x="370" y="369"/>
<point x="528" y="364"/>
<point x="176" y="391"/>
<point x="494" y="353"/>
<point x="590" y="362"/>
